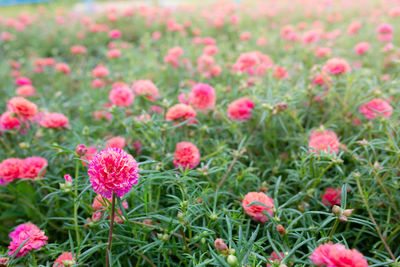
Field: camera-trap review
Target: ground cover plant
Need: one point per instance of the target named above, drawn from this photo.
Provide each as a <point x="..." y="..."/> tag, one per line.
<point x="264" y="133"/>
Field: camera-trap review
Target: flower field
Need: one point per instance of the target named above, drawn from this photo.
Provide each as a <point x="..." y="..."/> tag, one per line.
<point x="264" y="133"/>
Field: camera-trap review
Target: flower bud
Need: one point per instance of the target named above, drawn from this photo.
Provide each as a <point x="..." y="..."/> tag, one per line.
<point x="24" y="145"/>
<point x="86" y="131"/>
<point x="348" y="212"/>
<point x="220" y="245"/>
<point x="232" y="260"/>
<point x="3" y="261"/>
<point x="81" y="150"/>
<point x="281" y="230"/>
<point x="342" y="218"/>
<point x="213" y="216"/>
<point x="336" y="210"/>
<point x="68" y="178"/>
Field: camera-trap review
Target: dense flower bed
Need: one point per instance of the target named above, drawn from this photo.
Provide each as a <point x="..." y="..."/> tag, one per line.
<point x="260" y="134"/>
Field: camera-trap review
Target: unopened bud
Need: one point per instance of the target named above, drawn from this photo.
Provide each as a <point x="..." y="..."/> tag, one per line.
<point x="81" y="150"/>
<point x="281" y="230"/>
<point x="336" y="210"/>
<point x="342" y="218"/>
<point x="213" y="216"/>
<point x="3" y="261"/>
<point x="232" y="260"/>
<point x="68" y="178"/>
<point x="220" y="245"/>
<point x="24" y="145"/>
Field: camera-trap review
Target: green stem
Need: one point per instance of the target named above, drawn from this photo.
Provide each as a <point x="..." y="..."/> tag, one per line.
<point x="333" y="229"/>
<point x="111" y="230"/>
<point x="78" y="239"/>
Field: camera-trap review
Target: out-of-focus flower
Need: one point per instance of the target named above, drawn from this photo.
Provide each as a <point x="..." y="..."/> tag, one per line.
<point x="36" y="239"/>
<point x="240" y="109"/>
<point x="257" y="211"/>
<point x="376" y="108"/>
<point x="186" y="155"/>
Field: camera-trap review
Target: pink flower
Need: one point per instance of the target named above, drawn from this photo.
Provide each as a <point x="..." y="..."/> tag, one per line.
<point x="156" y="35"/>
<point x="376" y="108"/>
<point x="100" y="71"/>
<point x="114" y="53"/>
<point x="323" y="141"/>
<point x="210" y="50"/>
<point x="23" y="81"/>
<point x="173" y="56"/>
<point x="32" y="167"/>
<point x="181" y="112"/>
<point x="113" y="170"/>
<point x="100" y="205"/>
<point x="64" y="260"/>
<point x="117" y="142"/>
<point x="26" y="90"/>
<point x="146" y="88"/>
<point x="336" y="66"/>
<point x="23" y="108"/>
<point x="331" y="196"/>
<point x="276" y="258"/>
<point x="220" y="245"/>
<point x="254" y="63"/>
<point x="322" y="79"/>
<point x="362" y="48"/>
<point x="62" y="67"/>
<point x="186" y="155"/>
<point x="262" y="41"/>
<point x="337" y="255"/>
<point x="121" y="96"/>
<point x="281" y="73"/>
<point x="256" y="211"/>
<point x="114" y="34"/>
<point x="37" y="239"/>
<point x="354" y="27"/>
<point x="202" y="97"/>
<point x="54" y="120"/>
<point x="97" y="83"/>
<point x="9" y="122"/>
<point x="78" y="49"/>
<point x="10" y="169"/>
<point x="240" y="109"/>
<point x="244" y="36"/>
<point x="323" y="51"/>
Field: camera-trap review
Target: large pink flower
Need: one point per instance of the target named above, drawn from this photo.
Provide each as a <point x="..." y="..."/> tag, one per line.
<point x="202" y="97"/>
<point x="376" y="108"/>
<point x="254" y="63"/>
<point x="147" y="88"/>
<point x="336" y="66"/>
<point x="10" y="169"/>
<point x="113" y="170"/>
<point x="181" y="112"/>
<point x="65" y="259"/>
<point x="323" y="141"/>
<point x="240" y="109"/>
<point x="186" y="155"/>
<point x="24" y="108"/>
<point x="256" y="211"/>
<point x="33" y="166"/>
<point x="37" y="239"/>
<point x="121" y="96"/>
<point x="337" y="255"/>
<point x="54" y="120"/>
<point x="8" y="121"/>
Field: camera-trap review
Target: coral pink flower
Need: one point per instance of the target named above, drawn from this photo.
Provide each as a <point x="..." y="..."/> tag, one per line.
<point x="156" y="35"/>
<point x="9" y="122"/>
<point x="10" y="169"/>
<point x="173" y="56"/>
<point x="256" y="211"/>
<point x="181" y="112"/>
<point x="100" y="71"/>
<point x="64" y="260"/>
<point x="362" y="48"/>
<point x="202" y="97"/>
<point x="26" y="90"/>
<point x="33" y="166"/>
<point x="244" y="36"/>
<point x="322" y="79"/>
<point x="354" y="27"/>
<point x="54" y="120"/>
<point x="240" y="109"/>
<point x="117" y="142"/>
<point x="336" y="66"/>
<point x="114" y="53"/>
<point x="186" y="155"/>
<point x="323" y="141"/>
<point x="25" y="109"/>
<point x="114" y="34"/>
<point x="147" y="88"/>
<point x="100" y="205"/>
<point x="78" y="49"/>
<point x="210" y="50"/>
<point x="385" y="32"/>
<point x="36" y="239"/>
<point x="254" y="63"/>
<point x="376" y="108"/>
<point x="281" y="73"/>
<point x="121" y="96"/>
<point x="113" y="170"/>
<point x="63" y="67"/>
<point x="98" y="83"/>
<point x="262" y="41"/>
<point x="331" y="196"/>
<point x="337" y="255"/>
<point x="323" y="51"/>
<point x="220" y="245"/>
